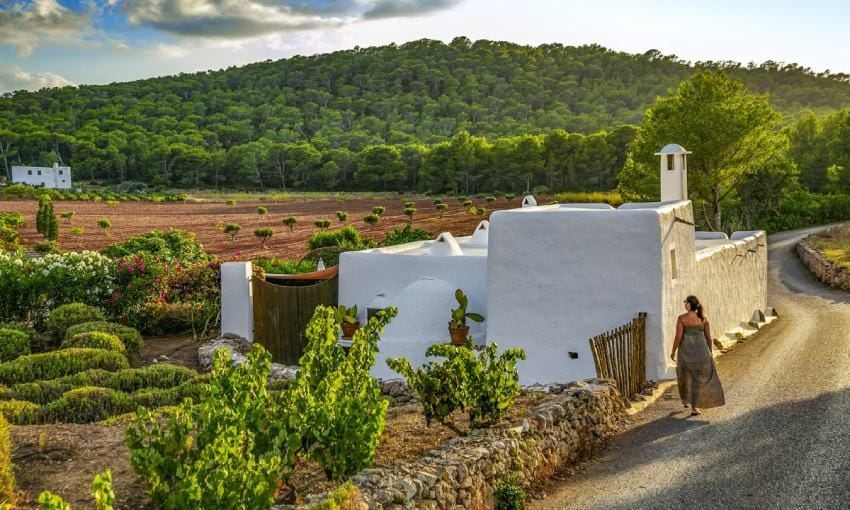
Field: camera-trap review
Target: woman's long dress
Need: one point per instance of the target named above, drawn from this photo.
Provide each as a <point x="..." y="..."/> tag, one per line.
<point x="699" y="385"/>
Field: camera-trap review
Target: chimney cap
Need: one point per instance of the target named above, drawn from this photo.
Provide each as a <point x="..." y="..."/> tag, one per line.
<point x="672" y="148"/>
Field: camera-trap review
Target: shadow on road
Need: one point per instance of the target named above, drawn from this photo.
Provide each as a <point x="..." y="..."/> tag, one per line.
<point x="791" y="455"/>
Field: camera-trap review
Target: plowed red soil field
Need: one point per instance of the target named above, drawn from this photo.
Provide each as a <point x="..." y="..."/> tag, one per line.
<point x="205" y="219"/>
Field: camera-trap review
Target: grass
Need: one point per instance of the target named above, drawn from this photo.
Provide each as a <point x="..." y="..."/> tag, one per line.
<point x="835" y="245"/>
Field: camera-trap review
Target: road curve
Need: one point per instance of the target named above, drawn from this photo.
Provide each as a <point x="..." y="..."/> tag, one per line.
<point x="781" y="441"/>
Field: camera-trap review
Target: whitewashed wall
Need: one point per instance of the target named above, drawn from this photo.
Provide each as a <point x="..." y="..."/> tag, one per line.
<point x="731" y="280"/>
<point x="558" y="276"/>
<point x="425" y="307"/>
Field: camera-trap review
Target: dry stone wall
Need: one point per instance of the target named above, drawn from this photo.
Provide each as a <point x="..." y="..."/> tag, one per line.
<point x="462" y="473"/>
<point x="828" y="272"/>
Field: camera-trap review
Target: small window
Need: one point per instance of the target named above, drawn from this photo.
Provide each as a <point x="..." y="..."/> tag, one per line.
<point x="29" y="172"/>
<point x="673" y="267"/>
<point x="39" y="172"/>
<point x="60" y="172"/>
<point x="670" y="161"/>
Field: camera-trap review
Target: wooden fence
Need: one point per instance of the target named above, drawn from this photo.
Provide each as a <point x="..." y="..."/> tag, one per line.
<point x="281" y="314"/>
<point x="620" y="354"/>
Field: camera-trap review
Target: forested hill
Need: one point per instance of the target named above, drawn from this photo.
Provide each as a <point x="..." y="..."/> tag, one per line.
<point x="421" y="92"/>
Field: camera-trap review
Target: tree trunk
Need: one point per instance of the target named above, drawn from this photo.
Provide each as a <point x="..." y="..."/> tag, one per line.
<point x="281" y="168"/>
<point x="715" y="203"/>
<point x="5" y="150"/>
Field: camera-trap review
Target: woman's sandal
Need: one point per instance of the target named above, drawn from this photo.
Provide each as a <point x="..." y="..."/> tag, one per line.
<point x="696" y="412"/>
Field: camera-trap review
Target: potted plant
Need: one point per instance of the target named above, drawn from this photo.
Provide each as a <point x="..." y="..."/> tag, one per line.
<point x="458" y="329"/>
<point x="347" y="318"/>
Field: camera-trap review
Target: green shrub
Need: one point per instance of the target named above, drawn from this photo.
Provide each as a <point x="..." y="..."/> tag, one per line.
<point x="371" y="219"/>
<point x="232" y="229"/>
<point x="228" y="451"/>
<point x="101" y="490"/>
<point x="65" y="316"/>
<point x="7" y="476"/>
<point x="87" y="404"/>
<point x="346" y="235"/>
<point x="509" y="494"/>
<point x="130" y="337"/>
<point x="171" y="245"/>
<point x="484" y="386"/>
<point x="176" y="318"/>
<point x="343" y="497"/>
<point x="50" y="365"/>
<point x="342" y="216"/>
<point x="11" y="219"/>
<point x="13" y="343"/>
<point x="290" y="222"/>
<point x="336" y="396"/>
<point x="264" y="234"/>
<point x="129" y="380"/>
<point x="153" y="398"/>
<point x="95" y="340"/>
<point x="20" y="412"/>
<point x="408" y="234"/>
<point x="45" y="247"/>
<point x="275" y="265"/>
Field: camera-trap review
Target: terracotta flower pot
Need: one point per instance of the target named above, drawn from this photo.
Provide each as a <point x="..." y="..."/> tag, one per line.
<point x="348" y="329"/>
<point x="459" y="335"/>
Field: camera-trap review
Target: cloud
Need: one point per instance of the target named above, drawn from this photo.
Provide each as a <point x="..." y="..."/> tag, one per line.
<point x="237" y="19"/>
<point x="229" y="18"/>
<point x="15" y="78"/>
<point x="404" y="8"/>
<point x="169" y="51"/>
<point x="26" y="24"/>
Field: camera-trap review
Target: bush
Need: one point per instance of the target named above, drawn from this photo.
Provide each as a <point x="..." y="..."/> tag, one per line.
<point x="11" y="219"/>
<point x="65" y="316"/>
<point x="232" y="229"/>
<point x="228" y="451"/>
<point x="176" y="318"/>
<point x="50" y="365"/>
<point x="29" y="288"/>
<point x="336" y="396"/>
<point x="95" y="340"/>
<point x="349" y="235"/>
<point x="13" y="343"/>
<point x="32" y="334"/>
<point x="20" y="412"/>
<point x="509" y="494"/>
<point x="484" y="386"/>
<point x="130" y="337"/>
<point x="87" y="404"/>
<point x="171" y="245"/>
<point x="130" y="380"/>
<point x="275" y="265"/>
<point x="7" y="476"/>
<point x="263" y="234"/>
<point x="45" y="247"/>
<point x="408" y="234"/>
<point x="101" y="490"/>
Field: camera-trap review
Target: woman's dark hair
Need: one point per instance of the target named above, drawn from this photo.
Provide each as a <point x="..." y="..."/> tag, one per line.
<point x="696" y="306"/>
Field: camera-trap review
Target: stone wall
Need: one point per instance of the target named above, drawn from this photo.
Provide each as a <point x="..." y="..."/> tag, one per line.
<point x="826" y="271"/>
<point x="462" y="473"/>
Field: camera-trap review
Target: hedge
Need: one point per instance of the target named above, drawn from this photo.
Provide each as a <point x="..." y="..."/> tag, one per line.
<point x="87" y="404"/>
<point x="20" y="412"/>
<point x="13" y="343"/>
<point x="95" y="340"/>
<point x="128" y="380"/>
<point x="65" y="316"/>
<point x="129" y="336"/>
<point x="7" y="477"/>
<point x="50" y="365"/>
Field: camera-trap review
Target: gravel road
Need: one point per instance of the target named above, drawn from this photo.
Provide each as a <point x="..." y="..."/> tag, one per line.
<point x="781" y="441"/>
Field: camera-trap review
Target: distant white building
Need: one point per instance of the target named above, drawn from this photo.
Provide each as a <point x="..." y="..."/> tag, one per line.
<point x="58" y="177"/>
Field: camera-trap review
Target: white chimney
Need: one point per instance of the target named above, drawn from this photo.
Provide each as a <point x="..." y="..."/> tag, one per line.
<point x="674" y="173"/>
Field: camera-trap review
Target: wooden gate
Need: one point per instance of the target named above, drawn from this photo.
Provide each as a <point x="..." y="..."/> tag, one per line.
<point x="281" y="314"/>
<point x="620" y="354"/>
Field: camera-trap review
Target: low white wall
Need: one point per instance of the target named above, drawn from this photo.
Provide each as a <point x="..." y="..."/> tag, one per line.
<point x="365" y="274"/>
<point x="237" y="300"/>
<point x="731" y="280"/>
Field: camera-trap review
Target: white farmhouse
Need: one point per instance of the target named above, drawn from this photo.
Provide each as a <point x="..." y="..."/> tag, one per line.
<point x="58" y="177"/>
<point x="548" y="278"/>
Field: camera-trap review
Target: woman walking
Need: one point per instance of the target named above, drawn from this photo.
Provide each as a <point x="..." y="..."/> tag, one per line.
<point x="699" y="385"/>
